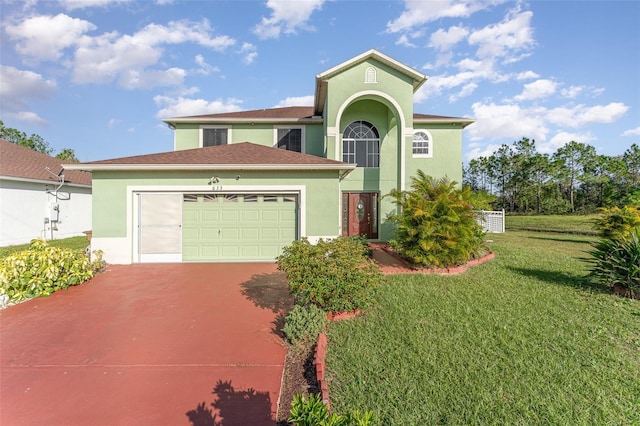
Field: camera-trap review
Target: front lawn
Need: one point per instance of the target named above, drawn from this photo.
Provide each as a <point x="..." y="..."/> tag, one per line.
<point x="73" y="243"/>
<point x="579" y="224"/>
<point x="523" y="339"/>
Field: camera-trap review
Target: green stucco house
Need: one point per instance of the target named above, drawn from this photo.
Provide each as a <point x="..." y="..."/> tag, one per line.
<point x="240" y="186"/>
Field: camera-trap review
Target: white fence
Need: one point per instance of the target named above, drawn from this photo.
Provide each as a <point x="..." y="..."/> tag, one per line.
<point x="491" y="221"/>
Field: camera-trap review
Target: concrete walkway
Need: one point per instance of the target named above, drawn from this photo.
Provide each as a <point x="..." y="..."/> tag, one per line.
<point x="169" y="344"/>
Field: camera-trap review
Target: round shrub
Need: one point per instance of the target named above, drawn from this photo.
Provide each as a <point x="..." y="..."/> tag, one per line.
<point x="335" y="275"/>
<point x="42" y="269"/>
<point x="303" y="324"/>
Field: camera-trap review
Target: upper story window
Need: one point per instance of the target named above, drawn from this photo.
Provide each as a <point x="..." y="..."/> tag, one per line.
<point x="370" y="75"/>
<point x="422" y="144"/>
<point x="361" y="144"/>
<point x="290" y="139"/>
<point x="213" y="136"/>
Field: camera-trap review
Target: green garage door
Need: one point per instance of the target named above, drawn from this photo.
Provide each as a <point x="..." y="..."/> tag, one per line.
<point x="234" y="227"/>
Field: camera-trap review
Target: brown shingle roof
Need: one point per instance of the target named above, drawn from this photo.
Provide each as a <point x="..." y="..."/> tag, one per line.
<point x="294" y="112"/>
<point x="19" y="162"/>
<point x="240" y="154"/>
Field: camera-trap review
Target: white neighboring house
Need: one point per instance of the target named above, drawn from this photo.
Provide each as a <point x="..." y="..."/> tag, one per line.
<point x="39" y="199"/>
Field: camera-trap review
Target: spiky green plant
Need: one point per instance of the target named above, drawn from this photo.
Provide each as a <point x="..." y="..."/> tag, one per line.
<point x="616" y="262"/>
<point x="436" y="226"/>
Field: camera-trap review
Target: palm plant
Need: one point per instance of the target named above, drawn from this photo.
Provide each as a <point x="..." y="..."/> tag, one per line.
<point x="436" y="225"/>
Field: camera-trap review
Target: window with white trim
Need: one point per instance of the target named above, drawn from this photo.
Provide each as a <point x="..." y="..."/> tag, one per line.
<point x="214" y="136"/>
<point x="290" y="138"/>
<point x="422" y="144"/>
<point x="361" y="144"/>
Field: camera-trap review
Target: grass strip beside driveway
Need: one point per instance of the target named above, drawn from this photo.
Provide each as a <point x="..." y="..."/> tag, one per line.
<point x="523" y="339"/>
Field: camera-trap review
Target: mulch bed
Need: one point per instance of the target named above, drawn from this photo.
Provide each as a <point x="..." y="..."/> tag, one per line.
<point x="299" y="377"/>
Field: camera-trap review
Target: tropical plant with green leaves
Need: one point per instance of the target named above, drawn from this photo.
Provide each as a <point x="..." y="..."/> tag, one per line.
<point x="311" y="411"/>
<point x="616" y="262"/>
<point x="436" y="225"/>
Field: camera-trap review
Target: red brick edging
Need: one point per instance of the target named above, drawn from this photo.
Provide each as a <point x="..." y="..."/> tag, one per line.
<point x="409" y="269"/>
<point x="320" y="358"/>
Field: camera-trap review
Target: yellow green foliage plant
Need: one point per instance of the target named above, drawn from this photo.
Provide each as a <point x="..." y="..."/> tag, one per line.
<point x="42" y="269"/>
<point x="618" y="223"/>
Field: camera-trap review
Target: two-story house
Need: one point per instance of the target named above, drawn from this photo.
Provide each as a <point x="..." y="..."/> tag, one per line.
<point x="240" y="186"/>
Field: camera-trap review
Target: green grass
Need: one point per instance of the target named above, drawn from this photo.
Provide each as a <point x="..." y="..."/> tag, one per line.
<point x="524" y="339"/>
<point x="74" y="243"/>
<point x="578" y="224"/>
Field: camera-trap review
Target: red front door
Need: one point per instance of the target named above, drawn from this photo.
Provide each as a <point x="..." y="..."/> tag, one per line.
<point x="360" y="214"/>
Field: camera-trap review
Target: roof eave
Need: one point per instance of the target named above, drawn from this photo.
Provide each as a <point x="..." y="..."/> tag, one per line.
<point x="42" y="181"/>
<point x="169" y="167"/>
<point x="243" y="120"/>
<point x="463" y="122"/>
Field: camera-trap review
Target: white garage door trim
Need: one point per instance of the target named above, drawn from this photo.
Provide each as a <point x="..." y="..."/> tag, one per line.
<point x="133" y="207"/>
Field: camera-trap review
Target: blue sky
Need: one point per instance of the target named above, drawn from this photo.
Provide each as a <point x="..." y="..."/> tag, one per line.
<point x="98" y="76"/>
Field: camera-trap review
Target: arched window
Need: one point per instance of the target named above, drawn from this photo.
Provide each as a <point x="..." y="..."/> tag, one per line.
<point x="422" y="145"/>
<point x="370" y="75"/>
<point x="361" y="144"/>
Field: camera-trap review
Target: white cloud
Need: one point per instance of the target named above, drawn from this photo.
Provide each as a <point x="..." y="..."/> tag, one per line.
<point x="403" y="40"/>
<point x="632" y="132"/>
<point x="512" y="122"/>
<point x="28" y="117"/>
<point x="286" y="16"/>
<point x="420" y="12"/>
<point x="562" y="138"/>
<point x="512" y="35"/>
<point x="19" y="85"/>
<point x="444" y="40"/>
<point x="538" y="89"/>
<point x="203" y="67"/>
<point x="112" y="122"/>
<point x="296" y="101"/>
<point x="109" y="56"/>
<point x="45" y="37"/>
<point x="134" y="79"/>
<point x="507" y="121"/>
<point x="572" y="91"/>
<point x="479" y="150"/>
<point x="527" y="75"/>
<point x="249" y="51"/>
<point x="466" y="90"/>
<point x="82" y="4"/>
<point x="180" y="106"/>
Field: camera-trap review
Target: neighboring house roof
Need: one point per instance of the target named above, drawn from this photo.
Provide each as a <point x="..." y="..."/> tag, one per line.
<point x="297" y="114"/>
<point x="236" y="156"/>
<point x="20" y="163"/>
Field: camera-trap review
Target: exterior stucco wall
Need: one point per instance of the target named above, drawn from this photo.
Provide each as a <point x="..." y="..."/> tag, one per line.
<point x="447" y="154"/>
<point x="112" y="205"/>
<point x="187" y="136"/>
<point x="25" y="205"/>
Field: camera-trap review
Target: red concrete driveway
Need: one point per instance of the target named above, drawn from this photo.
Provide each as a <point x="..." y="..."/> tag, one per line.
<point x="169" y="344"/>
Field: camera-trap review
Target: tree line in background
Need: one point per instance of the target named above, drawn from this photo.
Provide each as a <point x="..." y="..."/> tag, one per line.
<point x="36" y="143"/>
<point x="573" y="179"/>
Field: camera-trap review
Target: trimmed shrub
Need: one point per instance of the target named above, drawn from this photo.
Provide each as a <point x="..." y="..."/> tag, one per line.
<point x="42" y="269"/>
<point x="335" y="275"/>
<point x="303" y="324"/>
<point x="436" y="226"/>
<point x="616" y="262"/>
<point x="618" y="223"/>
